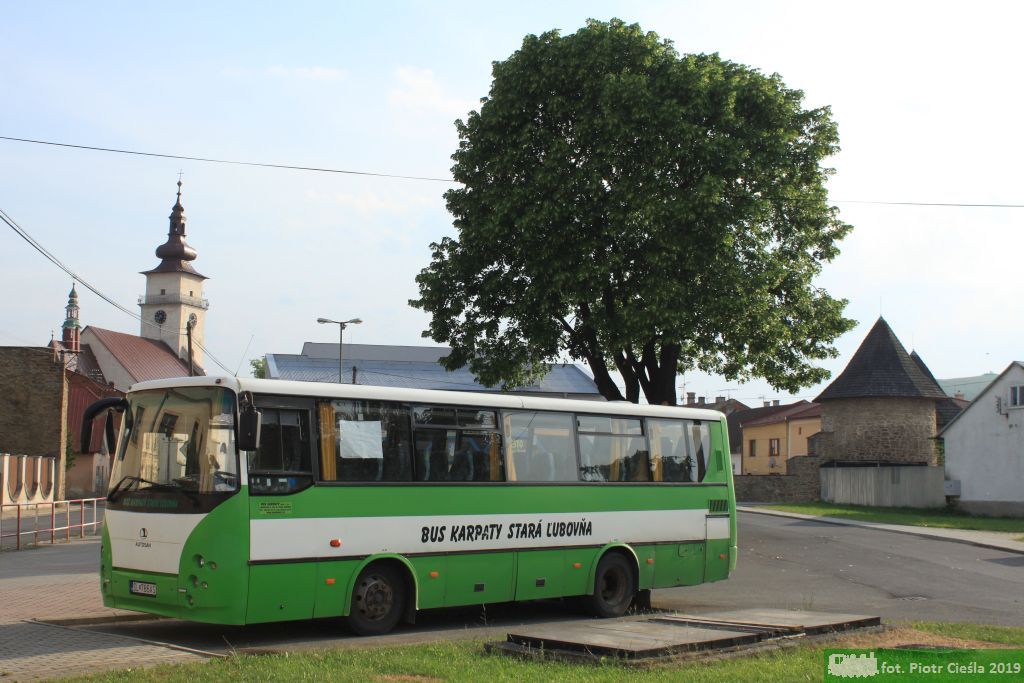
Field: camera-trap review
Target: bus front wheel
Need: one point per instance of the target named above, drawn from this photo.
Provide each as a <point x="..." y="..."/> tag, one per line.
<point x="614" y="587"/>
<point x="378" y="599"/>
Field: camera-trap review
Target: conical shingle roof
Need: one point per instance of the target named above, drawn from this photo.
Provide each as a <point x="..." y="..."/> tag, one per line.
<point x="924" y="368"/>
<point x="882" y="368"/>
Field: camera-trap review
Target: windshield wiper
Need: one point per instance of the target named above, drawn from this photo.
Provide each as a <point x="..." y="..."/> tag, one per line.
<point x="129" y="480"/>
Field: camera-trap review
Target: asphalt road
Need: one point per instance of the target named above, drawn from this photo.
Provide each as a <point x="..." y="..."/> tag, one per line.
<point x="797" y="564"/>
<point x="784" y="563"/>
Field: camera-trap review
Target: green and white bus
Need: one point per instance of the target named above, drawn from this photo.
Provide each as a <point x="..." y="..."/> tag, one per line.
<point x="238" y="501"/>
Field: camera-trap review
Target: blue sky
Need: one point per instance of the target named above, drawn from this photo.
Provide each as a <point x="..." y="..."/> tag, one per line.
<point x="926" y="96"/>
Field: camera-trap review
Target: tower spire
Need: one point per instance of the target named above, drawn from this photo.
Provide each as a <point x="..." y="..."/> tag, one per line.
<point x="173" y="308"/>
<point x="175" y="254"/>
<point x="71" y="329"/>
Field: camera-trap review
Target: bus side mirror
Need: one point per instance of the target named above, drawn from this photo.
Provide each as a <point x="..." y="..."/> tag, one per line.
<point x="111" y="437"/>
<point x="249" y="428"/>
<point x="116" y="403"/>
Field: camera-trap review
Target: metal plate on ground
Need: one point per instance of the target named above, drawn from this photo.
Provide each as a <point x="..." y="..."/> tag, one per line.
<point x="793" y="621"/>
<point x="631" y="639"/>
<point x="668" y="635"/>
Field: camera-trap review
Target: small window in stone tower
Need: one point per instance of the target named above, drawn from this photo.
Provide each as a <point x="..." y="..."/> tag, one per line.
<point x="190" y="293"/>
<point x="163" y="291"/>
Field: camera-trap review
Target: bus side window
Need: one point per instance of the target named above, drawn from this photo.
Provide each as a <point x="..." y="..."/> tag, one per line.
<point x="541" y="447"/>
<point x="281" y="464"/>
<point x="613" y="449"/>
<point x="682" y="449"/>
<point x="457" y="455"/>
<point x="366" y="441"/>
<point x="284" y="442"/>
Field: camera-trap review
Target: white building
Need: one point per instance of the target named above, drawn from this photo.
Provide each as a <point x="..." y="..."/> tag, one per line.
<point x="985" y="447"/>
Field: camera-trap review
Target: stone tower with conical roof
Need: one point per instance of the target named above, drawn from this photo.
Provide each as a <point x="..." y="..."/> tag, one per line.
<point x="173" y="305"/>
<point x="72" y="328"/>
<point x="881" y="409"/>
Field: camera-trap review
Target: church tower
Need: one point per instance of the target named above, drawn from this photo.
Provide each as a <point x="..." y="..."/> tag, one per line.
<point x="173" y="304"/>
<point x="71" y="329"/>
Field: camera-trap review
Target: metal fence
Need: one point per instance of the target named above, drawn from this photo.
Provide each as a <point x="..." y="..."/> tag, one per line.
<point x="28" y="524"/>
<point x="884" y="485"/>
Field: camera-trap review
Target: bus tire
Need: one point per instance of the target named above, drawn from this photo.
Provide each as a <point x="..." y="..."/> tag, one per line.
<point x="614" y="587"/>
<point x="378" y="600"/>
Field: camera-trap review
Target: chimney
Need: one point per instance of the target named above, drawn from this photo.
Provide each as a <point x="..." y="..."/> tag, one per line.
<point x="691" y="397"/>
<point x="767" y="403"/>
<point x="719" y="399"/>
<point x="959" y="396"/>
<point x="775" y="402"/>
<point x="701" y="400"/>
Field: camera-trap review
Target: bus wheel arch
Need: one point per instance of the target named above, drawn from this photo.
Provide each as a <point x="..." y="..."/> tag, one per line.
<point x="614" y="581"/>
<point x="375" y="572"/>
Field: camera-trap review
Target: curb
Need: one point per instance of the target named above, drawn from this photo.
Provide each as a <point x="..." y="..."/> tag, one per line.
<point x="91" y="621"/>
<point x="879" y="527"/>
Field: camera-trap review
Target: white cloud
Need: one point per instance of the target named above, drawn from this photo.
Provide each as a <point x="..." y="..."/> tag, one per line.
<point x="308" y="73"/>
<point x="420" y="90"/>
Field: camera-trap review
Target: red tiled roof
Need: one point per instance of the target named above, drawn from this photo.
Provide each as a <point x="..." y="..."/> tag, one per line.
<point x="143" y="359"/>
<point x="795" y="411"/>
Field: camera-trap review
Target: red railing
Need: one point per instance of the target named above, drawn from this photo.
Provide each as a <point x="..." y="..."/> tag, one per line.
<point x="41" y="519"/>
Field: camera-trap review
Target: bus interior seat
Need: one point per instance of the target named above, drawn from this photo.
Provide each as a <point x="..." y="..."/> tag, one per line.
<point x="462" y="466"/>
<point x="438" y="466"/>
<point x="521" y="461"/>
<point x="668" y="462"/>
<point x="542" y="467"/>
<point x="423" y="449"/>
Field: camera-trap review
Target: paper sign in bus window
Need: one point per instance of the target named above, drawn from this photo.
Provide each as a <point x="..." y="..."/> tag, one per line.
<point x="360" y="440"/>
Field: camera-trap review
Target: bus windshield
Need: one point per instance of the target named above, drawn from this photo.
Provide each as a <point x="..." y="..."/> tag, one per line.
<point x="177" y="440"/>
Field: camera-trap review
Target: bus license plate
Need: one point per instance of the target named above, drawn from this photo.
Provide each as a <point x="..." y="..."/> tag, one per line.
<point x="142" y="588"/>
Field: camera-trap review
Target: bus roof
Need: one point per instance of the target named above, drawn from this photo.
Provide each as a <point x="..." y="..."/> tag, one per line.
<point x="375" y="393"/>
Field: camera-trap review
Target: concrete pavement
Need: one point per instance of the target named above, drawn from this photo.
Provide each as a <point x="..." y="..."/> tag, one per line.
<point x="995" y="540"/>
<point x="51" y="583"/>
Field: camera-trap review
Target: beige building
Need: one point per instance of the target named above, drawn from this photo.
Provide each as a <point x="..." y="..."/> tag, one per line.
<point x="770" y="441"/>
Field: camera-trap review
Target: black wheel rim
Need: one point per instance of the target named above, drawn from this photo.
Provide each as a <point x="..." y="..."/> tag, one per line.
<point x="375" y="598"/>
<point x="613" y="585"/>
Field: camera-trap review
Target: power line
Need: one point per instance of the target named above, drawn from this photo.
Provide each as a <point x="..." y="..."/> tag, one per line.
<point x="955" y="204"/>
<point x="288" y="167"/>
<point x="315" y="169"/>
<point x="21" y="232"/>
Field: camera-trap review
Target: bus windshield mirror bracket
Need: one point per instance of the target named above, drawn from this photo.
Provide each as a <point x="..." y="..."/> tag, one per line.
<point x="248" y="424"/>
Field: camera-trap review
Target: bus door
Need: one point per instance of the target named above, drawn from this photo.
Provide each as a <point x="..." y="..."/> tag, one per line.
<point x="282" y="577"/>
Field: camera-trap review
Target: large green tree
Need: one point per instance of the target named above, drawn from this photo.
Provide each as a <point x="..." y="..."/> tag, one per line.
<point x="641" y="210"/>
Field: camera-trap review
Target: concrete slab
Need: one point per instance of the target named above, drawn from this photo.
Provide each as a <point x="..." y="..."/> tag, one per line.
<point x="791" y="621"/>
<point x="630" y="639"/>
<point x="670" y="635"/>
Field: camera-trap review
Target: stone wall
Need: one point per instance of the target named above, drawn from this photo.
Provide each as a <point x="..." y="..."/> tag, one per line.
<point x="33" y="405"/>
<point x="800" y="484"/>
<point x="896" y="430"/>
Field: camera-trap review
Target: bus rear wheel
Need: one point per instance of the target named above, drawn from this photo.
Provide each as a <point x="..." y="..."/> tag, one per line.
<point x="378" y="600"/>
<point x="614" y="587"/>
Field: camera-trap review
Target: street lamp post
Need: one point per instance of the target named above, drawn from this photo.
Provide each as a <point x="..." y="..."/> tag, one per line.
<point x="341" y="336"/>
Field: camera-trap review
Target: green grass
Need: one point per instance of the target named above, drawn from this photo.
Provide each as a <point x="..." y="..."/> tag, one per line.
<point x="466" y="661"/>
<point x="1002" y="635"/>
<point x="931" y="517"/>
